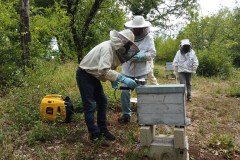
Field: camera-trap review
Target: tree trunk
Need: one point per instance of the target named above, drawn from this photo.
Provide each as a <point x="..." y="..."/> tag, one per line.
<point x="96" y="6"/>
<point x="80" y="40"/>
<point x="25" y="34"/>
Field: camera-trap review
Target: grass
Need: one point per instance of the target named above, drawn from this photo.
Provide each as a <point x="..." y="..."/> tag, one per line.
<point x="215" y="115"/>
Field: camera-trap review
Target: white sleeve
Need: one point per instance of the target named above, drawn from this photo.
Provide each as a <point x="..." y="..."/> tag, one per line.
<point x="104" y="66"/>
<point x="195" y="59"/>
<point x="151" y="50"/>
<point x="175" y="60"/>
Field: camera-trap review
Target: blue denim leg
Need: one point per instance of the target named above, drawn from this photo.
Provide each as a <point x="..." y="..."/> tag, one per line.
<point x="89" y="88"/>
<point x="101" y="101"/>
<point x="125" y="99"/>
<point x="125" y="102"/>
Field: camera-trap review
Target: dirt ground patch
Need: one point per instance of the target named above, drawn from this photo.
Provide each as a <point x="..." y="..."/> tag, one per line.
<point x="211" y="116"/>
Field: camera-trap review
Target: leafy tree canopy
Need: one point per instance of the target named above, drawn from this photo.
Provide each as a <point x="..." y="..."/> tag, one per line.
<point x="159" y="12"/>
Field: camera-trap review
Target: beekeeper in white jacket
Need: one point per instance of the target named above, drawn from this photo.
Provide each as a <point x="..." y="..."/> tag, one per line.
<point x="185" y="63"/>
<point x="98" y="65"/>
<point x="138" y="67"/>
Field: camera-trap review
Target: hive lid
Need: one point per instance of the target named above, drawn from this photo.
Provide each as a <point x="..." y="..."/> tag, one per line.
<point x="166" y="88"/>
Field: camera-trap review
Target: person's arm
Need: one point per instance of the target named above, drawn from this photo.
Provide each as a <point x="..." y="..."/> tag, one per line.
<point x="128" y="81"/>
<point x="195" y="62"/>
<point x="105" y="70"/>
<point x="140" y="56"/>
<point x="175" y="62"/>
<point x="149" y="53"/>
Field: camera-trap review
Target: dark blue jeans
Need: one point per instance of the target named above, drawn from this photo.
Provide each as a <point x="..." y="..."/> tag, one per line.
<point x="93" y="97"/>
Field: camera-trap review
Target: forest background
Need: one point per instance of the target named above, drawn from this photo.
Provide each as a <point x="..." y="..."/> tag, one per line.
<point x="28" y="70"/>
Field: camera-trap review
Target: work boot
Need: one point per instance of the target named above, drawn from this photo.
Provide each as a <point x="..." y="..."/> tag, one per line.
<point x="124" y="119"/>
<point x="99" y="140"/>
<point x="108" y="136"/>
<point x="189" y="99"/>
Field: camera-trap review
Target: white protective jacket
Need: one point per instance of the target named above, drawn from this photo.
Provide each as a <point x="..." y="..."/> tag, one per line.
<point x="136" y="69"/>
<point x="102" y="61"/>
<point x="185" y="62"/>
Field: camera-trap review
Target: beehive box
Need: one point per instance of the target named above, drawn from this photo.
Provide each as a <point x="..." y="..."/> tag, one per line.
<point x="161" y="104"/>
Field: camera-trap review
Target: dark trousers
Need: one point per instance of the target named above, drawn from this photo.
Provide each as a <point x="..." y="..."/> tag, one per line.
<point x="93" y="98"/>
<point x="186" y="79"/>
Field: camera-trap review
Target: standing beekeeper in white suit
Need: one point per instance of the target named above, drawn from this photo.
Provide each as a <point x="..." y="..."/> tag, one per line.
<point x="185" y="63"/>
<point x="138" y="67"/>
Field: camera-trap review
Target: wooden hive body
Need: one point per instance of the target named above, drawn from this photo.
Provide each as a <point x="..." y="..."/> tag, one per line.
<point x="161" y="104"/>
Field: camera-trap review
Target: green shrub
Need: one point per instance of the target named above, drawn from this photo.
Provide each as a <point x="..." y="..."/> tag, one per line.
<point x="1" y="138"/>
<point x="224" y="143"/>
<point x="40" y="133"/>
<point x="166" y="49"/>
<point x="43" y="132"/>
<point x="235" y="91"/>
<point x="214" y="65"/>
<point x="140" y="154"/>
<point x="156" y="72"/>
<point x="10" y="77"/>
<point x="25" y="116"/>
<point x="132" y="156"/>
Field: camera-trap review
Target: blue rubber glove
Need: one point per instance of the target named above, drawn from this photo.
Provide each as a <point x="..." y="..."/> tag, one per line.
<point x="128" y="81"/>
<point x="140" y="56"/>
<point x="114" y="84"/>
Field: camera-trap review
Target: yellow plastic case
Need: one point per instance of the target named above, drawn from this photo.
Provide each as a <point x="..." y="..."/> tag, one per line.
<point x="53" y="108"/>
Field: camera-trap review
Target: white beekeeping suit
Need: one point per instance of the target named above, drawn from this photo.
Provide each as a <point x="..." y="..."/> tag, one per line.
<point x="103" y="59"/>
<point x="185" y="63"/>
<point x="137" y="67"/>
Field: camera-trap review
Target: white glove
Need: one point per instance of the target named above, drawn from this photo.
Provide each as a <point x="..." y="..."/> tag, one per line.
<point x="194" y="68"/>
<point x="175" y="70"/>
